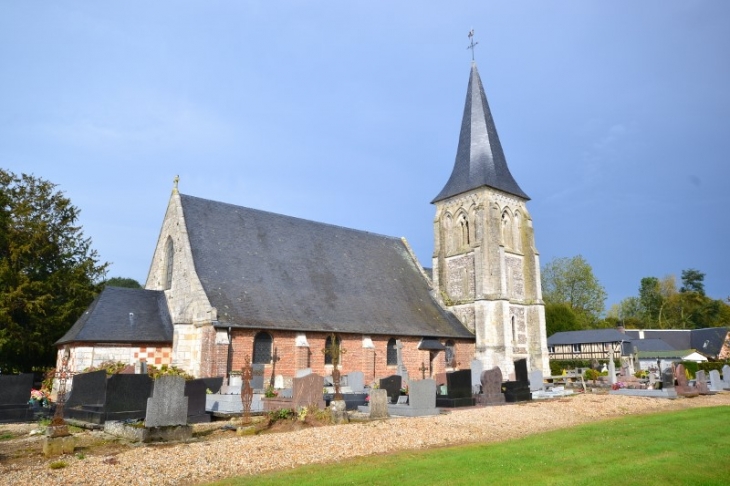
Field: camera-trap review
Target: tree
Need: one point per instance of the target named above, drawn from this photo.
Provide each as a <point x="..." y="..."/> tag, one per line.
<point x="128" y="283"/>
<point x="48" y="272"/>
<point x="560" y="318"/>
<point x="693" y="281"/>
<point x="571" y="281"/>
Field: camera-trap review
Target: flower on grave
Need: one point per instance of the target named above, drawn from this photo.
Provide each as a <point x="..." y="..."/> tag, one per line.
<point x="404" y="390"/>
<point x="270" y="392"/>
<point x="39" y="397"/>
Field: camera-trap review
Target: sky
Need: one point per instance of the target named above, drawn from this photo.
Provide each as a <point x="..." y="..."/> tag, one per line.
<point x="614" y="118"/>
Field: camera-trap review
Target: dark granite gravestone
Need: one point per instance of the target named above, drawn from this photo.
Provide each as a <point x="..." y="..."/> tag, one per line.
<point x="196" y="391"/>
<point x="392" y="385"/>
<point x="167" y="406"/>
<point x="667" y="379"/>
<point x="97" y="398"/>
<point x="492" y="387"/>
<point x="14" y="397"/>
<point x="257" y="381"/>
<point x="521" y="373"/>
<point x="518" y="390"/>
<point x="458" y="390"/>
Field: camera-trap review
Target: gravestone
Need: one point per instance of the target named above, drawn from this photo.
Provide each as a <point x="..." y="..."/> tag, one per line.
<point x="126" y="396"/>
<point x="682" y="386"/>
<point x="392" y="385"/>
<point x="701" y="383"/>
<point x="726" y="376"/>
<point x="536" y="380"/>
<point x="476" y="367"/>
<point x="307" y="392"/>
<point x="422" y="394"/>
<point x="302" y="373"/>
<point x="519" y="389"/>
<point x="89" y="389"/>
<point x="401" y="368"/>
<point x="521" y="373"/>
<point x="356" y="381"/>
<point x="279" y="382"/>
<point x="378" y="404"/>
<point x="167" y="406"/>
<point x="492" y="387"/>
<point x="611" y="372"/>
<point x="14" y="396"/>
<point x="458" y="390"/>
<point x="197" y="391"/>
<point x="667" y="379"/>
<point x="716" y="383"/>
<point x="257" y="380"/>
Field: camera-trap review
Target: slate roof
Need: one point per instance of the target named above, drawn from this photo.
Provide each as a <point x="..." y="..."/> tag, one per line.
<point x="480" y="160"/>
<point x="651" y="345"/>
<point x="108" y="320"/>
<point x="677" y="338"/>
<point x="587" y="337"/>
<point x="269" y="271"/>
<point x="709" y="341"/>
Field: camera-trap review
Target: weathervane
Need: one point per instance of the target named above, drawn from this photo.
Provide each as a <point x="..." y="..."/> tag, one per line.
<point x="472" y="44"/>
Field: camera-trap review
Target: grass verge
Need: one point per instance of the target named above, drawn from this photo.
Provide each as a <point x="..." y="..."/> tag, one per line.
<point x="687" y="447"/>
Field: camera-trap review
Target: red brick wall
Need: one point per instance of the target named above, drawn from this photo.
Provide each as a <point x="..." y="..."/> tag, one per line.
<point x="372" y="362"/>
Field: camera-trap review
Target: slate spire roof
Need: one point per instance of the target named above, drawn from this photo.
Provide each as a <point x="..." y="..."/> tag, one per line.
<point x="480" y="160"/>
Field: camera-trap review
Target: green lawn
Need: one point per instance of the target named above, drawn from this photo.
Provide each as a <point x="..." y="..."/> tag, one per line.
<point x="690" y="447"/>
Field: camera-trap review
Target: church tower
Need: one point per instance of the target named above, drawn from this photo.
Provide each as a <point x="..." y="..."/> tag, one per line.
<point x="485" y="264"/>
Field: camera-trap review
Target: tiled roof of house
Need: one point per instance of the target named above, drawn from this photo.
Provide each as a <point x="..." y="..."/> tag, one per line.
<point x="269" y="271"/>
<point x="121" y="315"/>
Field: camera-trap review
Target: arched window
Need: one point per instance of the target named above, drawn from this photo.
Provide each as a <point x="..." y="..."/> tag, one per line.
<point x="169" y="261"/>
<point x="507" y="239"/>
<point x="262" y="348"/>
<point x="328" y="347"/>
<point x="391" y="356"/>
<point x="450" y="354"/>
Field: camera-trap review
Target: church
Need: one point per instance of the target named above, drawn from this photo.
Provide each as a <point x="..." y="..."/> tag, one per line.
<point x="229" y="285"/>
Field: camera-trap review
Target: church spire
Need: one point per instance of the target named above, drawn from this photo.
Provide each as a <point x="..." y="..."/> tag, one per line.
<point x="479" y="158"/>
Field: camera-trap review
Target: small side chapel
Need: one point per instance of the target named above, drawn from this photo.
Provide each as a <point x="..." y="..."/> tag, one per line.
<point x="229" y="284"/>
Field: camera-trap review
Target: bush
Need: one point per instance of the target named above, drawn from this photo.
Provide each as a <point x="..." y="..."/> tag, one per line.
<point x="165" y="370"/>
<point x="591" y="374"/>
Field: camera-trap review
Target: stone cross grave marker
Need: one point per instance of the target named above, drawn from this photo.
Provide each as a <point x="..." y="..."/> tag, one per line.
<point x="168" y="405"/>
<point x="611" y="372"/>
<point x="401" y="368"/>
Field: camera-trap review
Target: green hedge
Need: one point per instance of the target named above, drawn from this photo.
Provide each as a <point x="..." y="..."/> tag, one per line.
<point x="707" y="366"/>
<point x="558" y="365"/>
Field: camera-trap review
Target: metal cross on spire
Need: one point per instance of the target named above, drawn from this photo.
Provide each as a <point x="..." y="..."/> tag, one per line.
<point x="472" y="44"/>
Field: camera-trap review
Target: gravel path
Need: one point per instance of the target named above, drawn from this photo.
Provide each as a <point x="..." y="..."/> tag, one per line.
<point x="201" y="461"/>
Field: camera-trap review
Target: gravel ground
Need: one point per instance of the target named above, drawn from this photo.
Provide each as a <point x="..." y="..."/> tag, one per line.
<point x="227" y="455"/>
